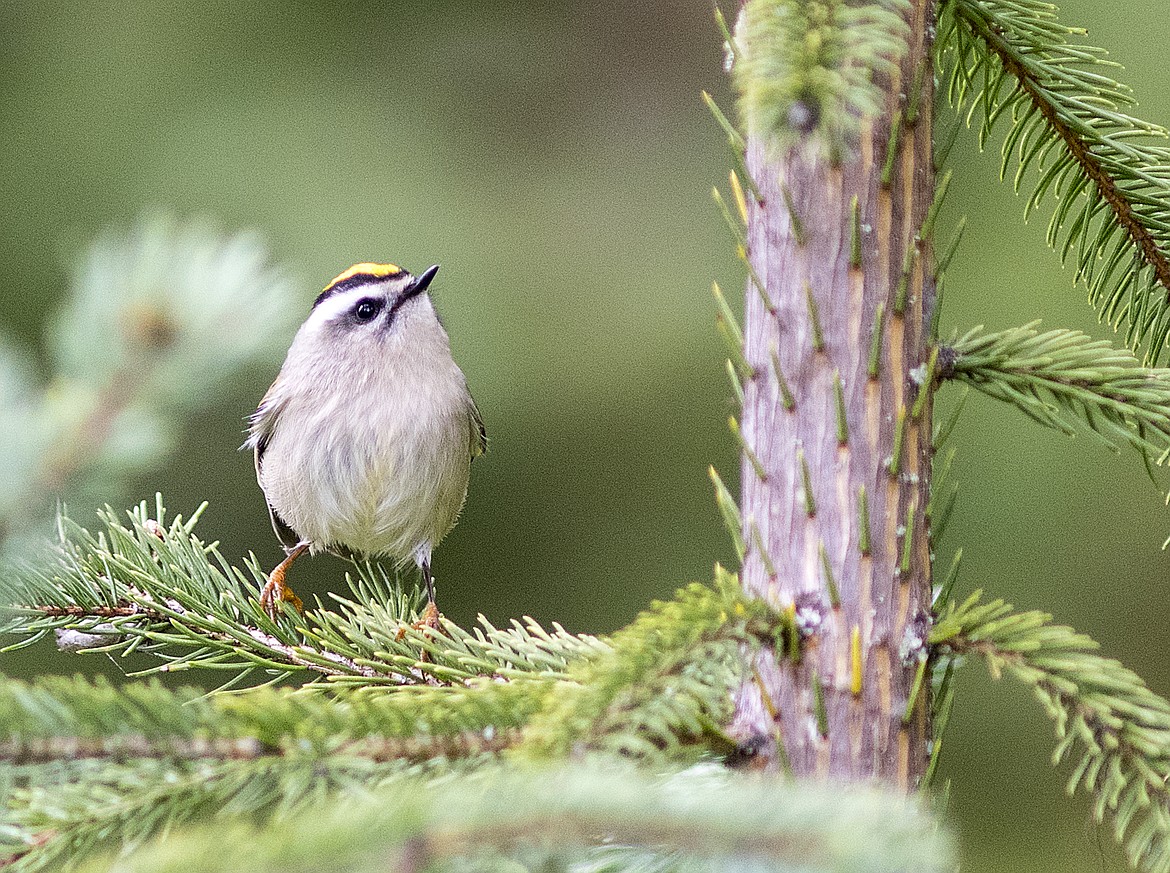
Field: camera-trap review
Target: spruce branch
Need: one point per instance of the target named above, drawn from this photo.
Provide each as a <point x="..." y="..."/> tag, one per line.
<point x="158" y="322"/>
<point x="1067" y="119"/>
<point x="93" y="766"/>
<point x="58" y="719"/>
<point x="551" y="817"/>
<point x="97" y="766"/>
<point x="91" y="806"/>
<point x="667" y="680"/>
<point x="805" y="70"/>
<point x="1064" y="379"/>
<point x="659" y="685"/>
<point x="145" y="588"/>
<point x="1114" y="729"/>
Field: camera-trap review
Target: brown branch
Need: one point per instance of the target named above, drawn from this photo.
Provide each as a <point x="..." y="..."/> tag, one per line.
<point x="122" y="747"/>
<point x="423" y="748"/>
<point x="33" y="842"/>
<point x="74" y="611"/>
<point x="1080" y="151"/>
<point x="290" y="654"/>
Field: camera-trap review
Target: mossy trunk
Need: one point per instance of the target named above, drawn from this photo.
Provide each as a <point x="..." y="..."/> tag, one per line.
<point x="839" y="496"/>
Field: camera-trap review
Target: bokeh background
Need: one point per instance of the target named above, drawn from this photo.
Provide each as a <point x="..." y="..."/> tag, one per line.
<point x="557" y="160"/>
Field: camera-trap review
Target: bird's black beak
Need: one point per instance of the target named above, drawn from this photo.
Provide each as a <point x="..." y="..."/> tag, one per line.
<point x="419" y="285"/>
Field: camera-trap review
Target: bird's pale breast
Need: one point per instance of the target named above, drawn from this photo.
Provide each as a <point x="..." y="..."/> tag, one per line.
<point x="386" y="477"/>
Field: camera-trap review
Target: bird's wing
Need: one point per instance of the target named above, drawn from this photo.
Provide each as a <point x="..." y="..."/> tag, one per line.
<point x="479" y="440"/>
<point x="261" y="426"/>
<point x="262" y="422"/>
<point x="288" y="537"/>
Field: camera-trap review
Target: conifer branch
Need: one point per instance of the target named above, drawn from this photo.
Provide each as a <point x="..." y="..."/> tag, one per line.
<point x="142" y="588"/>
<point x="668" y="677"/>
<point x="1012" y="59"/>
<point x="1114" y="729"/>
<point x="58" y="719"/>
<point x="1064" y="379"/>
<point x="659" y="689"/>
<point x="157" y="323"/>
<point x="92" y="806"/>
<point x="594" y="813"/>
<point x="805" y="70"/>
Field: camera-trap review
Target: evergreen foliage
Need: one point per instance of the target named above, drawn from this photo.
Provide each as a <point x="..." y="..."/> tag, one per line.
<point x="354" y="739"/>
<point x="1012" y="61"/>
<point x="667" y="676"/>
<point x="1064" y="379"/>
<point x="93" y="719"/>
<point x="475" y="822"/>
<point x="383" y="698"/>
<point x="161" y="591"/>
<point x="155" y="325"/>
<point x="1114" y="730"/>
<point x="1067" y="124"/>
<point x="805" y="71"/>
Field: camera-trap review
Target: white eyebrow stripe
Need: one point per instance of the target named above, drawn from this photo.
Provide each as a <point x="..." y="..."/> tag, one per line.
<point x="341" y="302"/>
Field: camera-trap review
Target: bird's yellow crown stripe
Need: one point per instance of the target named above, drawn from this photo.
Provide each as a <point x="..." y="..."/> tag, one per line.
<point x="365" y="270"/>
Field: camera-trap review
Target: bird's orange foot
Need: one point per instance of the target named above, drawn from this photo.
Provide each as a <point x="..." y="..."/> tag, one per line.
<point x="431" y="618"/>
<point x="275" y="592"/>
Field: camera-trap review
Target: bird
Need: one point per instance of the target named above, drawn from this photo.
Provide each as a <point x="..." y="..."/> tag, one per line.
<point x="364" y="442"/>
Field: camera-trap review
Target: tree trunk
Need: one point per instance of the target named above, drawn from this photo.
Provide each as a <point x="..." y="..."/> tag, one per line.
<point x="835" y="509"/>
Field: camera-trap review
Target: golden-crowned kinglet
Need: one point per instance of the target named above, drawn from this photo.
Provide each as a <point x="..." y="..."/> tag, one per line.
<point x="365" y="440"/>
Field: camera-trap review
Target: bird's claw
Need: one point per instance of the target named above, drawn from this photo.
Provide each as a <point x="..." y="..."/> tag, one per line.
<point x="275" y="593"/>
<point x="431" y="619"/>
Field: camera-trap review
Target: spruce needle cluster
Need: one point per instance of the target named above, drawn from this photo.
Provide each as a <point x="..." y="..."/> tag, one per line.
<point x="805" y="71"/>
<point x="1110" y="726"/>
<point x="1068" y="126"/>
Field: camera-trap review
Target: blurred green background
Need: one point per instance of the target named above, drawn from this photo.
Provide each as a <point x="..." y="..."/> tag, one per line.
<point x="556" y="159"/>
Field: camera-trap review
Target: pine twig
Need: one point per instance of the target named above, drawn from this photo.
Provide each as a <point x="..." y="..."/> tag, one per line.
<point x="1064" y="379"/>
<point x="145" y="588"/>
<point x="557" y="813"/>
<point x="1012" y="59"/>
<point x="1114" y="729"/>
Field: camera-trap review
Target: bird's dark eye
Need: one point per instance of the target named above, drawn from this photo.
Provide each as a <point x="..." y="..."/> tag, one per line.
<point x="365" y="310"/>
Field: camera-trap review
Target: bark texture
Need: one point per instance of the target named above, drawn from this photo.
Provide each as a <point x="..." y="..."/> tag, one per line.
<point x="842" y="498"/>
